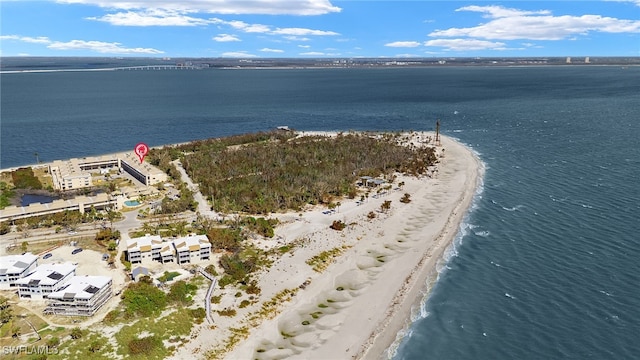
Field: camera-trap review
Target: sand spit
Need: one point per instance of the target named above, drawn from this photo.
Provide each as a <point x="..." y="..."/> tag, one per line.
<point x="356" y="306"/>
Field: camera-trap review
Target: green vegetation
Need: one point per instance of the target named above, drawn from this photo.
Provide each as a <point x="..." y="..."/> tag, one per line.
<point x="6" y="312"/>
<point x="76" y="333"/>
<point x="24" y="178"/>
<point x="185" y="202"/>
<point x="321" y="261"/>
<point x="90" y="345"/>
<point x="182" y="293"/>
<point x="226" y="312"/>
<point x="174" y="325"/>
<point x="108" y="234"/>
<point x="211" y="269"/>
<point x="6" y="193"/>
<point x="198" y="314"/>
<point x="260" y="226"/>
<point x="145" y="346"/>
<point x="168" y="276"/>
<point x="275" y="171"/>
<point x="225" y="238"/>
<point x="68" y="219"/>
<point x="143" y="299"/>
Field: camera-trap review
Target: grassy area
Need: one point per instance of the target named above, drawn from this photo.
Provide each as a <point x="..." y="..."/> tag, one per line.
<point x="174" y="327"/>
<point x="321" y="261"/>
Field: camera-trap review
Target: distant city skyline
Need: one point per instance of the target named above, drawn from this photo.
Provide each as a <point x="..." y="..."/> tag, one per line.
<point x="319" y="28"/>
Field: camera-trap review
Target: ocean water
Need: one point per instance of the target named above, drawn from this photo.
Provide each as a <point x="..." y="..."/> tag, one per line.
<point x="547" y="264"/>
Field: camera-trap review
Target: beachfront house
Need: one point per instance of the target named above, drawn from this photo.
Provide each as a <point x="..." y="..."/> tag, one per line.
<point x="81" y="296"/>
<point x="45" y="280"/>
<point x="15" y="267"/>
<point x="148" y="247"/>
<point x="192" y="248"/>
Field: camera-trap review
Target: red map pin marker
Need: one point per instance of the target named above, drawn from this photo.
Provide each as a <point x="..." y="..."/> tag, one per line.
<point x="141" y="150"/>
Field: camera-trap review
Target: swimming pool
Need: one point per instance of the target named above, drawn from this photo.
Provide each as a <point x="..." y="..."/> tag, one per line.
<point x="132" y="203"/>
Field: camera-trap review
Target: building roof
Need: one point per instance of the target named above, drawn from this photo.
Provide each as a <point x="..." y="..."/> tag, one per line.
<point x="47" y="274"/>
<point x="81" y="287"/>
<point x="139" y="271"/>
<point x="145" y="243"/>
<point x="191" y="243"/>
<point x="15" y="264"/>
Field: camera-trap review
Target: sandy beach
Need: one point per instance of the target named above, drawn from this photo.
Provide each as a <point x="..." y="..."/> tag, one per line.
<point x="378" y="273"/>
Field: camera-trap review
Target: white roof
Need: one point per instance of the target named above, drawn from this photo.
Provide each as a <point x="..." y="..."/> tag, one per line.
<point x="147" y="240"/>
<point x="48" y="274"/>
<point x="15" y="264"/>
<point x="190" y="242"/>
<point x="81" y="287"/>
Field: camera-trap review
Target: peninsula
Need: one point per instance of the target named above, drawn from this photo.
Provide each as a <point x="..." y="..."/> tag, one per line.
<point x="317" y="245"/>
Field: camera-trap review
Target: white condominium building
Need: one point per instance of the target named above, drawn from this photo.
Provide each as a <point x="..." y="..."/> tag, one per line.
<point x="149" y="247"/>
<point x="192" y="247"/>
<point x="14" y="267"/>
<point x="81" y="296"/>
<point x="185" y="249"/>
<point x="44" y="280"/>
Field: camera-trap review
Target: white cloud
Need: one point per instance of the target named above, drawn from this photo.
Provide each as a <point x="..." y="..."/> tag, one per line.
<point x="312" y="53"/>
<point x="237" y="54"/>
<point x="266" y="29"/>
<point x="296" y="38"/>
<point x="95" y="46"/>
<point x="100" y="47"/>
<point x="271" y="7"/>
<point x="636" y="2"/>
<point x="511" y="24"/>
<point x="27" y="39"/>
<point x="408" y="44"/>
<point x="271" y="50"/>
<point x="304" y="46"/>
<point x="302" y="32"/>
<point x="465" y="44"/>
<point x="153" y="17"/>
<point x="225" y="38"/>
<point x="405" y="55"/>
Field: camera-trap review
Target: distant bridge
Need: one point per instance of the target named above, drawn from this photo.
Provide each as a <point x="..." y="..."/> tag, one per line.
<point x="159" y="67"/>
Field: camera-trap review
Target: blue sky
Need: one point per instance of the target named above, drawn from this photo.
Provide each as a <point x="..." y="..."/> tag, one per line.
<point x="319" y="28"/>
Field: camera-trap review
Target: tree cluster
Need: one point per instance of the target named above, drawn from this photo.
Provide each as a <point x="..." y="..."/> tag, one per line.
<point x="23" y="178"/>
<point x="272" y="176"/>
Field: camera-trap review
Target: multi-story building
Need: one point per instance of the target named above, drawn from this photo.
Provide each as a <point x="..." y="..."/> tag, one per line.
<point x="148" y="247"/>
<point x="15" y="267"/>
<point x="76" y="173"/>
<point x="45" y="280"/>
<point x="192" y="247"/>
<point x="81" y="296"/>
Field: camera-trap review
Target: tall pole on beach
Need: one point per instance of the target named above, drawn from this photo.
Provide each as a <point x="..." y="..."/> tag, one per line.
<point x="437" y="132"/>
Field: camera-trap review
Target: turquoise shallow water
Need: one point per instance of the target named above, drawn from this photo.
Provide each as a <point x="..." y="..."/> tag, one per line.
<point x="546" y="266"/>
